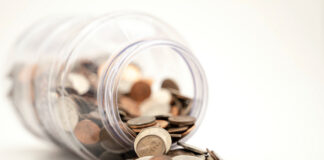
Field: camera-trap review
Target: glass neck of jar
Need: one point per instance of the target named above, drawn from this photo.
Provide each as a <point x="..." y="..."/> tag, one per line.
<point x="108" y="86"/>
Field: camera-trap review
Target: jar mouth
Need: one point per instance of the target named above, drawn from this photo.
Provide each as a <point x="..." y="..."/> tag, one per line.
<point x="109" y="82"/>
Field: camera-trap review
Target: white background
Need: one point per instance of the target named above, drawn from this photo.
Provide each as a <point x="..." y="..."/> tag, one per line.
<point x="264" y="61"/>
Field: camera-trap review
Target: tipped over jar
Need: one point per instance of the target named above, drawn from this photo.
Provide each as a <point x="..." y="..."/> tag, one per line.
<point x="92" y="84"/>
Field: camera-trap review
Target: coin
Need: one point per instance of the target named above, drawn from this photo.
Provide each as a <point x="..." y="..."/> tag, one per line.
<point x="150" y="145"/>
<point x="145" y="125"/>
<point x="79" y="82"/>
<point x="177" y="152"/>
<point x="137" y="130"/>
<point x="131" y="73"/>
<point x="129" y="105"/>
<point x="186" y="110"/>
<point x="162" y="123"/>
<point x="110" y="156"/>
<point x="129" y="130"/>
<point x="162" y="96"/>
<point x="177" y="130"/>
<point x="87" y="132"/>
<point x="188" y="131"/>
<point x="175" y="110"/>
<point x="151" y="107"/>
<point x="174" y="135"/>
<point x="162" y="116"/>
<point x="212" y="154"/>
<point x="169" y="84"/>
<point x="140" y="121"/>
<point x="153" y="141"/>
<point x="145" y="158"/>
<point x="185" y="157"/>
<point x="140" y="91"/>
<point x="182" y="120"/>
<point x="163" y="157"/>
<point x="83" y="105"/>
<point x="191" y="148"/>
<point x="109" y="143"/>
<point x="67" y="113"/>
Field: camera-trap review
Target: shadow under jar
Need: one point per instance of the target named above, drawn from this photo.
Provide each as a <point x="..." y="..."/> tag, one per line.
<point x="78" y="81"/>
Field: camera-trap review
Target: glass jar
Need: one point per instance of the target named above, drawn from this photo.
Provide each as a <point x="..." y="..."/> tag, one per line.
<point x="71" y="72"/>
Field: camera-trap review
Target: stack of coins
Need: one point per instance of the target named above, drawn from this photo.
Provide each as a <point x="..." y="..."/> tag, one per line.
<point x="154" y="143"/>
<point x="177" y="126"/>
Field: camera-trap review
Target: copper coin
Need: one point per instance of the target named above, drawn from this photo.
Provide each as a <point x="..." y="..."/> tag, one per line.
<point x="129" y="105"/>
<point x="137" y="130"/>
<point x="177" y="130"/>
<point x="140" y="91"/>
<point x="188" y="131"/>
<point x="212" y="154"/>
<point x="87" y="132"/>
<point x="182" y="120"/>
<point x="130" y="131"/>
<point x="169" y="84"/>
<point x="175" y="110"/>
<point x="140" y="121"/>
<point x="162" y="123"/>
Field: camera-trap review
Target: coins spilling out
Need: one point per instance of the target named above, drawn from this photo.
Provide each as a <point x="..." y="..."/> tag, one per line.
<point x="157" y="117"/>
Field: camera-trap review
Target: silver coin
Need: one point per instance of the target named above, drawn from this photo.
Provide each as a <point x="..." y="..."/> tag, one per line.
<point x="192" y="148"/>
<point x="66" y="111"/>
<point x="143" y="120"/>
<point x="79" y="82"/>
<point x="153" y="107"/>
<point x="186" y="157"/>
<point x="145" y="158"/>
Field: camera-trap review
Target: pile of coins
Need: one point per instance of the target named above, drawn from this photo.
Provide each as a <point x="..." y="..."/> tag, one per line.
<point x="154" y="143"/>
<point x="157" y="118"/>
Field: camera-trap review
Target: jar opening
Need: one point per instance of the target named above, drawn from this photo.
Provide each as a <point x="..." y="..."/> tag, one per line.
<point x="159" y="64"/>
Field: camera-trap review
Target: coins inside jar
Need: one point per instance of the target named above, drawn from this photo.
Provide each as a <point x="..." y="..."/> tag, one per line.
<point x="156" y="117"/>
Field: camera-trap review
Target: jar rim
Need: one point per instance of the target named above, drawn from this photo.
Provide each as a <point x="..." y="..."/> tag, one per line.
<point x="108" y="86"/>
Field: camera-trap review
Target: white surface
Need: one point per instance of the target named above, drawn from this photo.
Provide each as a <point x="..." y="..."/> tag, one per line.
<point x="264" y="61"/>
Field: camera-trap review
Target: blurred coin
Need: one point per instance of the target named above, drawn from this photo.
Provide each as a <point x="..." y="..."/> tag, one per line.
<point x="145" y="158"/>
<point x="109" y="143"/>
<point x="162" y="123"/>
<point x="129" y="105"/>
<point x="178" y="129"/>
<point x="186" y="157"/>
<point x="178" y="152"/>
<point x="188" y="131"/>
<point x="151" y="107"/>
<point x="182" y="120"/>
<point x="79" y="82"/>
<point x="87" y="132"/>
<point x="67" y="113"/>
<point x="192" y="148"/>
<point x="110" y="156"/>
<point x="163" y="157"/>
<point x="169" y="84"/>
<point x="212" y="154"/>
<point x="140" y="91"/>
<point x="140" y="121"/>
